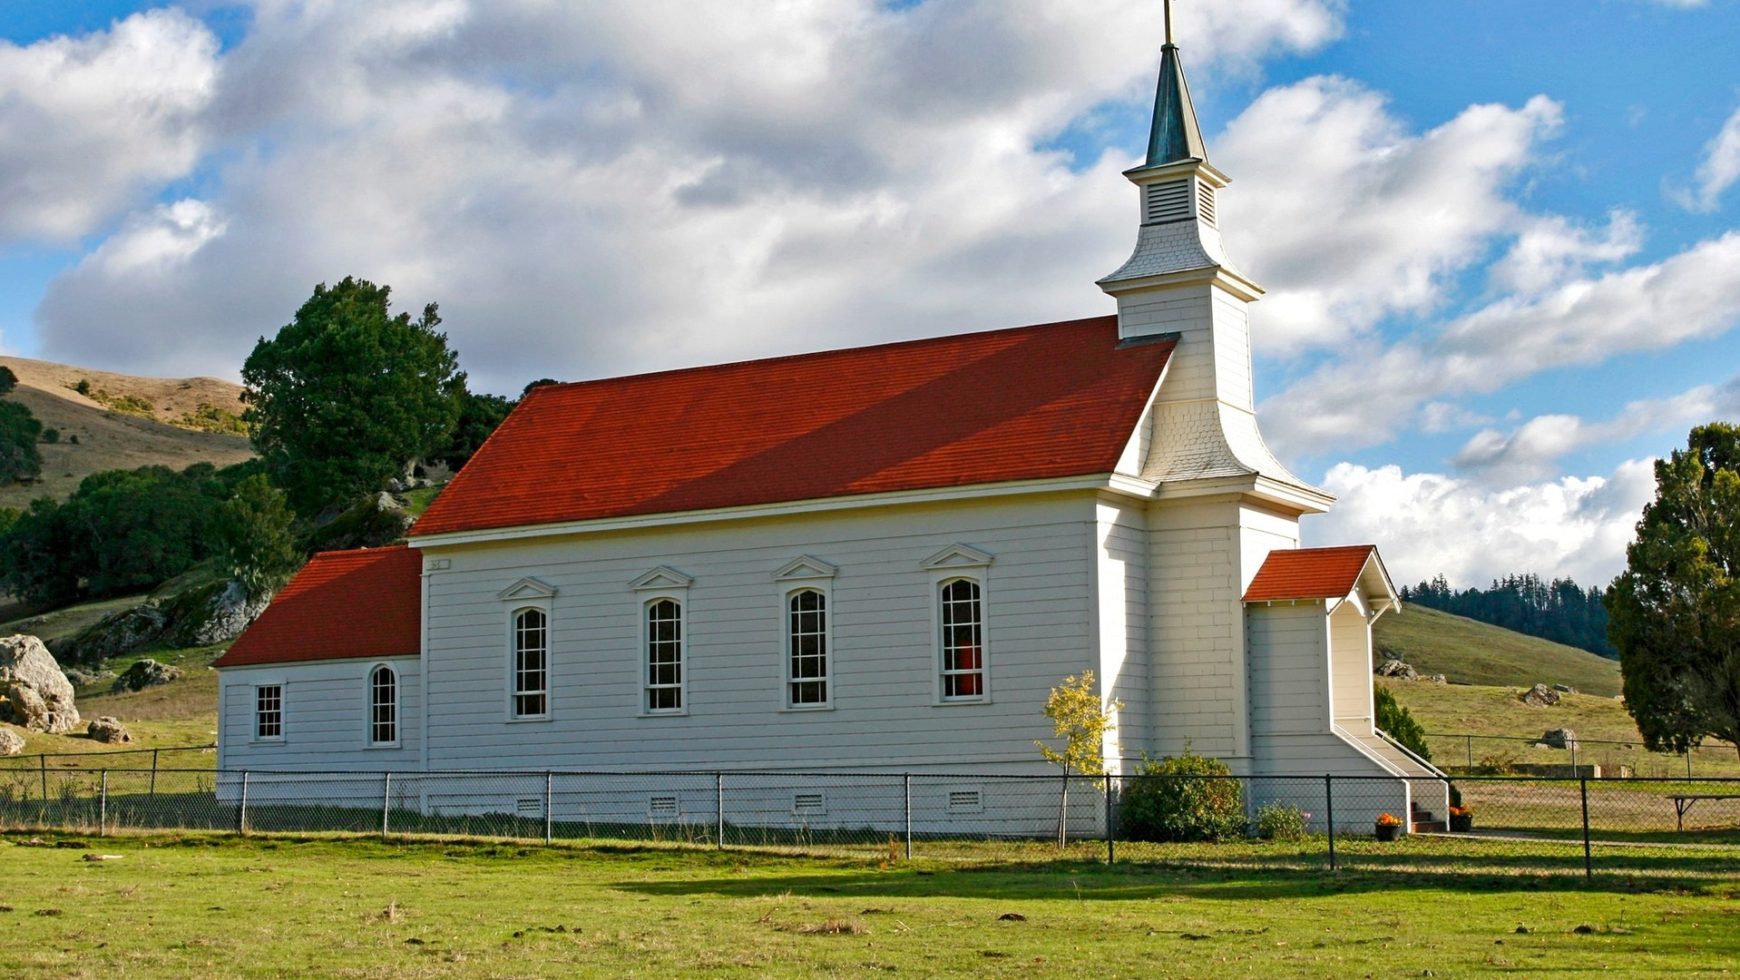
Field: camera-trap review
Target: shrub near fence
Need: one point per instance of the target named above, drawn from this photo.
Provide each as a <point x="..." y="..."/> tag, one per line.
<point x="1668" y="830"/>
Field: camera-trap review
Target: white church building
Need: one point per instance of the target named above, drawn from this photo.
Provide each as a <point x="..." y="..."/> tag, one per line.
<point x="879" y="559"/>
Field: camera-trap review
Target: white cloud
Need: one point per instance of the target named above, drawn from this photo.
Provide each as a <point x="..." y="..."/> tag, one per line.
<point x="90" y="124"/>
<point x="1366" y="399"/>
<point x="1431" y="523"/>
<point x="1341" y="211"/>
<point x="1718" y="170"/>
<point x="595" y="188"/>
<point x="1551" y="249"/>
<point x="1532" y="451"/>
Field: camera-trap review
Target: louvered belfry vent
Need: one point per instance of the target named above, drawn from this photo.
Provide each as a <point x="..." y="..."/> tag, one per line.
<point x="1168" y="200"/>
<point x="1205" y="202"/>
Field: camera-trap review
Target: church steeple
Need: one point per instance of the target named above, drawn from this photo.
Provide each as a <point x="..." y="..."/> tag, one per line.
<point x="1178" y="283"/>
<point x="1174" y="137"/>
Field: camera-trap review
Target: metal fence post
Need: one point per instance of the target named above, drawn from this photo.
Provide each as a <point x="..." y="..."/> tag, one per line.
<point x="242" y="813"/>
<point x="1329" y="814"/>
<point x="1470" y="751"/>
<point x="549" y="809"/>
<point x="1572" y="744"/>
<point x="153" y="793"/>
<point x="1688" y="763"/>
<point x="42" y="761"/>
<point x="386" y="801"/>
<point x="1588" y="857"/>
<point x="103" y="807"/>
<point x="719" y="805"/>
<point x="1111" y="853"/>
<point x="906" y="783"/>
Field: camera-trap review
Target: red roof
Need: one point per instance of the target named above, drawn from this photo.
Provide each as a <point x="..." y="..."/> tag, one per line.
<point x="342" y="605"/>
<point x="1309" y="573"/>
<point x="1046" y="401"/>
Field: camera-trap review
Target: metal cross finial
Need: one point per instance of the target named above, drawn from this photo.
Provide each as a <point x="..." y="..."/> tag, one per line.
<point x="1168" y="6"/>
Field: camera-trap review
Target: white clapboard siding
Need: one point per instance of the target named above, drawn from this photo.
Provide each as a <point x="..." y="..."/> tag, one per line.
<point x="1350" y="668"/>
<point x="1289" y="657"/>
<point x="1038" y="591"/>
<point x="1122" y="624"/>
<point x="325" y="717"/>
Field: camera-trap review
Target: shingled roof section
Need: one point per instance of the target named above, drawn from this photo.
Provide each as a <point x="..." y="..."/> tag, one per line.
<point x="1048" y="401"/>
<point x="1309" y="573"/>
<point x="343" y="605"/>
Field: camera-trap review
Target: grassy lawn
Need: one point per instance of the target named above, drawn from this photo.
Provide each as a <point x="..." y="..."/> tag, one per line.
<point x="177" y="714"/>
<point x="207" y="905"/>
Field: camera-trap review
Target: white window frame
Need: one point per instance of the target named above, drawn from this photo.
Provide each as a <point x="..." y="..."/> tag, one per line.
<point x="643" y="655"/>
<point x="254" y="716"/>
<point x="960" y="563"/>
<point x="373" y="705"/>
<point x="513" y="663"/>
<point x="658" y="585"/>
<point x="820" y="589"/>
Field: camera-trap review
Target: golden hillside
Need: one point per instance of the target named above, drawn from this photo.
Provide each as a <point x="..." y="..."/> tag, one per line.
<point x="112" y="438"/>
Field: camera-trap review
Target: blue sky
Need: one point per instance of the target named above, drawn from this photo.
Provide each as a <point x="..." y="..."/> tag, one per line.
<point x="1496" y="235"/>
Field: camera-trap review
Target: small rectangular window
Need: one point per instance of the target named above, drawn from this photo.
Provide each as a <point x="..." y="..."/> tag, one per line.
<point x="383" y="706"/>
<point x="269" y="711"/>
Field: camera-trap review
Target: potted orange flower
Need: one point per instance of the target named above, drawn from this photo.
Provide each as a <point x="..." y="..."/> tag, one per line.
<point x="1389" y="826"/>
<point x="1461" y="819"/>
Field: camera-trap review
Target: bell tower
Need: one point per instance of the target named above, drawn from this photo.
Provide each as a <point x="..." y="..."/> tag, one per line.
<point x="1179" y="282"/>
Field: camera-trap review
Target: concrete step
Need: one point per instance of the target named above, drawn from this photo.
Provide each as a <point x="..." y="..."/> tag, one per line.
<point x="1430" y="827"/>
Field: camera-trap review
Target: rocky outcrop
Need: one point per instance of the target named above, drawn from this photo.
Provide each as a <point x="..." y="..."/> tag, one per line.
<point x="146" y="673"/>
<point x="108" y="729"/>
<point x="371" y="523"/>
<point x="1398" y="670"/>
<point x="203" y="615"/>
<point x="38" y="695"/>
<point x="1564" y="689"/>
<point x="11" y="743"/>
<point x="1540" y="696"/>
<point x="228" y="612"/>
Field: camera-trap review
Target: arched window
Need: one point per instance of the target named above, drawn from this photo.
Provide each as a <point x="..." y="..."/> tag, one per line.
<point x="963" y="641"/>
<point x="531" y="640"/>
<point x="806" y="649"/>
<point x="664" y="655"/>
<point x="383" y="706"/>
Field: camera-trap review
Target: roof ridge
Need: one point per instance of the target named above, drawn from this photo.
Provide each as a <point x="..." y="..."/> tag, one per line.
<point x="785" y="358"/>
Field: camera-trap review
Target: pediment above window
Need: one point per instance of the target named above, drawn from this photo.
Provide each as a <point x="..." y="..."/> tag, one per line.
<point x="957" y="556"/>
<point x="805" y="567"/>
<point x="527" y="588"/>
<point x="662" y="577"/>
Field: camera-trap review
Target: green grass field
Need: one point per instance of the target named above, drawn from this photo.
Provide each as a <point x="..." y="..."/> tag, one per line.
<point x="1470" y="652"/>
<point x="216" y="906"/>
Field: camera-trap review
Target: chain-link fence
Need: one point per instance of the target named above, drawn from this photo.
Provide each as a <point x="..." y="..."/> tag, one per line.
<point x="1662" y="829"/>
<point x="1562" y="753"/>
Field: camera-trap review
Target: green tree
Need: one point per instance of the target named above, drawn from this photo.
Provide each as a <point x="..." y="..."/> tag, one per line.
<point x="254" y="530"/>
<point x="8" y="380"/>
<point x="19" y="430"/>
<point x="42" y="555"/>
<point x="1675" y="610"/>
<point x="479" y="415"/>
<point x="1080" y="720"/>
<point x="346" y="396"/>
<point x="1401" y="726"/>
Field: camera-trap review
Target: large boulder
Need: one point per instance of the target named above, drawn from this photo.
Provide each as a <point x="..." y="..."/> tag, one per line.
<point x="1398" y="670"/>
<point x="38" y="695"/>
<point x="146" y="673"/>
<point x="1559" y="738"/>
<point x="195" y="616"/>
<point x="11" y="743"/>
<point x="116" y="634"/>
<point x="1540" y="696"/>
<point x="108" y="729"/>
